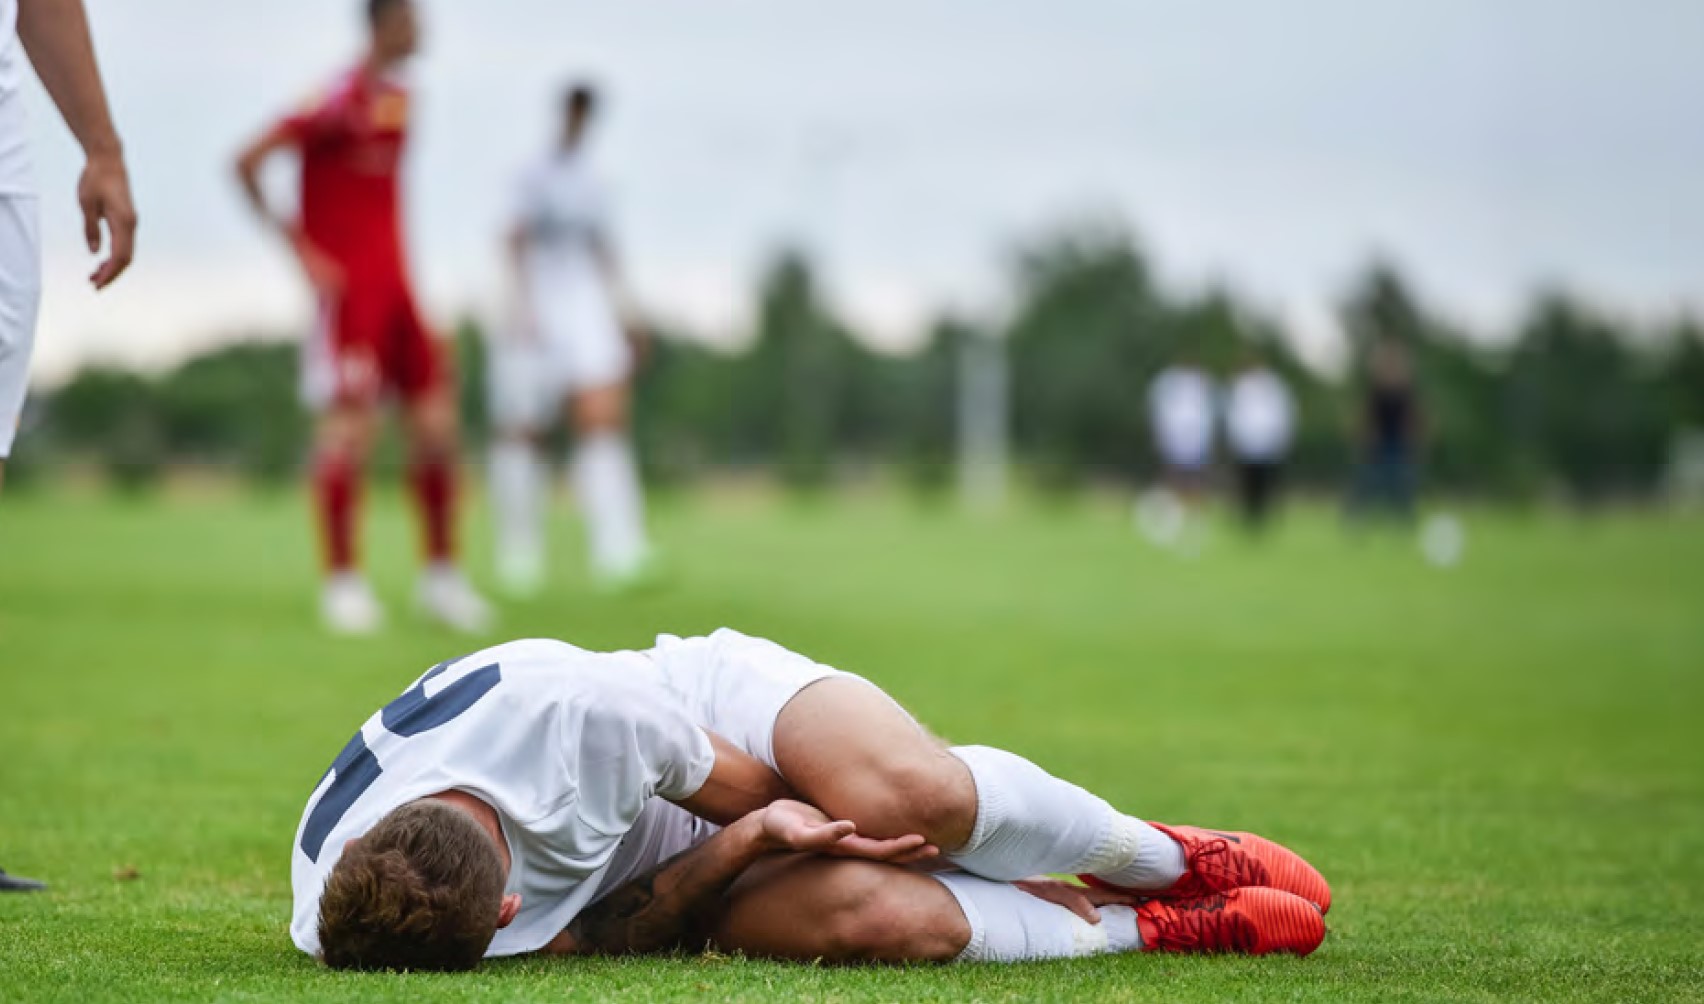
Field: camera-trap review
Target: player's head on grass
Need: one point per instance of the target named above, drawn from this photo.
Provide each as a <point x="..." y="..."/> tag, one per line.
<point x="579" y="107"/>
<point x="422" y="890"/>
<point x="395" y="28"/>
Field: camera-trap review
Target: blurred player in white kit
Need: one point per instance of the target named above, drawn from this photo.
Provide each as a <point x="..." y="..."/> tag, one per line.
<point x="1260" y="421"/>
<point x="55" y="36"/>
<point x="570" y="344"/>
<point x="1180" y="414"/>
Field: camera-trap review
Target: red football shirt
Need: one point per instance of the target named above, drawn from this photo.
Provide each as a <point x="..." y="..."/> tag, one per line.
<point x="351" y="141"/>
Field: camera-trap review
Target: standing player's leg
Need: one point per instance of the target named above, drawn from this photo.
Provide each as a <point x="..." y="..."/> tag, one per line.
<point x="20" y="296"/>
<point x="517" y="408"/>
<point x="606" y="477"/>
<point x="340" y="384"/>
<point x="414" y="364"/>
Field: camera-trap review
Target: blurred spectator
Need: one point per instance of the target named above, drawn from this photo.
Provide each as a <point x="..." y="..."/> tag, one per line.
<point x="1388" y="478"/>
<point x="1260" y="422"/>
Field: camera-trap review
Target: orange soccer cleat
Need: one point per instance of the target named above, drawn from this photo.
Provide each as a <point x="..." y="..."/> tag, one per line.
<point x="1220" y="861"/>
<point x="1252" y="920"/>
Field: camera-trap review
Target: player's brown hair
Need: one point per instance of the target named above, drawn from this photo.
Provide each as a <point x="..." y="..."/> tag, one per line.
<point x="377" y="8"/>
<point x="420" y="891"/>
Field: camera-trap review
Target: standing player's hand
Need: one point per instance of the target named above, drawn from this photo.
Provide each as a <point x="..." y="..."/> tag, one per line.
<point x="794" y="826"/>
<point x="639" y="338"/>
<point x="103" y="192"/>
<point x="1080" y="900"/>
<point x="323" y="271"/>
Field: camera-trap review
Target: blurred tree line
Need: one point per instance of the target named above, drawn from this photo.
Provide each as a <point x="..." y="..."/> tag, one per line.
<point x="1573" y="401"/>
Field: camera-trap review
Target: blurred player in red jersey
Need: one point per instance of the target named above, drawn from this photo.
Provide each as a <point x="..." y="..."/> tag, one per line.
<point x="370" y="339"/>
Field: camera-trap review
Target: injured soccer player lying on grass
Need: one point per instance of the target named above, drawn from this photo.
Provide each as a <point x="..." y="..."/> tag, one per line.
<point x="536" y="797"/>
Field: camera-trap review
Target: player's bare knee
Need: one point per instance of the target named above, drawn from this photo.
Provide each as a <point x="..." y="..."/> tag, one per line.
<point x="931" y="794"/>
<point x="874" y="918"/>
<point x="600" y="410"/>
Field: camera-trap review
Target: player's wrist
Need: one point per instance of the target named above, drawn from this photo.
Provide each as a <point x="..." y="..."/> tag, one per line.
<point x="105" y="150"/>
<point x="751" y="835"/>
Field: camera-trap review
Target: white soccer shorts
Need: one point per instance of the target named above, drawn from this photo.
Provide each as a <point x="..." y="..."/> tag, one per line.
<point x="528" y="379"/>
<point x="20" y="297"/>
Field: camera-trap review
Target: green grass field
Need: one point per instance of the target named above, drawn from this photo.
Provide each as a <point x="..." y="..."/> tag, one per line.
<point x="1498" y="766"/>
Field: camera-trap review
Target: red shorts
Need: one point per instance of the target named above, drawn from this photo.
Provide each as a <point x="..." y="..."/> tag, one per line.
<point x="370" y="341"/>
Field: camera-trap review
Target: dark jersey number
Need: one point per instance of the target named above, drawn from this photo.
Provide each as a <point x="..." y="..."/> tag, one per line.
<point x="355" y="769"/>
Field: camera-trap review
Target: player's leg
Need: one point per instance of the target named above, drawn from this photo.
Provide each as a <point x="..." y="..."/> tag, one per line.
<point x="848" y="748"/>
<point x="343" y="435"/>
<point x="806" y="908"/>
<point x="851" y="750"/>
<point x="594" y="361"/>
<point x="515" y="400"/>
<point x="20" y="296"/>
<point x="340" y="384"/>
<point x="816" y="908"/>
<point x="606" y="478"/>
<point x="416" y="365"/>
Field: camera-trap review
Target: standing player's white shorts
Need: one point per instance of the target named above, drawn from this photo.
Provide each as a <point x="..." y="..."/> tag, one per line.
<point x="531" y="375"/>
<point x="20" y="297"/>
<point x="730" y="684"/>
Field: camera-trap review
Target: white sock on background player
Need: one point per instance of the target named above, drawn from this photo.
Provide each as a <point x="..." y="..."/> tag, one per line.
<point x="516" y="500"/>
<point x="1029" y="822"/>
<point x="1009" y="925"/>
<point x="607" y="480"/>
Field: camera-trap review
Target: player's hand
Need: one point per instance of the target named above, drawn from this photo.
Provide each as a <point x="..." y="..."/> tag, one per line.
<point x="103" y="192"/>
<point x="794" y="826"/>
<point x="1080" y="900"/>
<point x="639" y="339"/>
<point x="323" y="271"/>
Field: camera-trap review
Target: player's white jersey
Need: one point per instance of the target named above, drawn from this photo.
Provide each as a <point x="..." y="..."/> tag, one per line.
<point x="568" y="746"/>
<point x="16" y="170"/>
<point x="1260" y="417"/>
<point x="562" y="208"/>
<point x="1180" y="409"/>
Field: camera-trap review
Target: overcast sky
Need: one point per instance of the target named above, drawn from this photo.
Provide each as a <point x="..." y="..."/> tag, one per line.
<point x="1487" y="146"/>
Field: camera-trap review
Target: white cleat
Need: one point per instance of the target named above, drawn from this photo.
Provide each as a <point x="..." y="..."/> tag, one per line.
<point x="445" y="596"/>
<point x="348" y="606"/>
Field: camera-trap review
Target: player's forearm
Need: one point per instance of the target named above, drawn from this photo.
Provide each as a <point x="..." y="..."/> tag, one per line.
<point x="248" y="178"/>
<point x="669" y="906"/>
<point x="55" y="33"/>
<point x="517" y="245"/>
<point x="739" y="784"/>
<point x="609" y="267"/>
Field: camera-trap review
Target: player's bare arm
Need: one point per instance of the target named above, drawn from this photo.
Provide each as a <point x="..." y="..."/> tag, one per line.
<point x="323" y="272"/>
<point x="55" y="33"/>
<point x="739" y="784"/>
<point x="517" y="243"/>
<point x="678" y="902"/>
<point x="609" y="266"/>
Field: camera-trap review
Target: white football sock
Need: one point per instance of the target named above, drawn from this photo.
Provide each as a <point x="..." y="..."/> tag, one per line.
<point x="607" y="480"/>
<point x="1029" y="822"/>
<point x="1009" y="925"/>
<point x="515" y="491"/>
<point x="1159" y="863"/>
